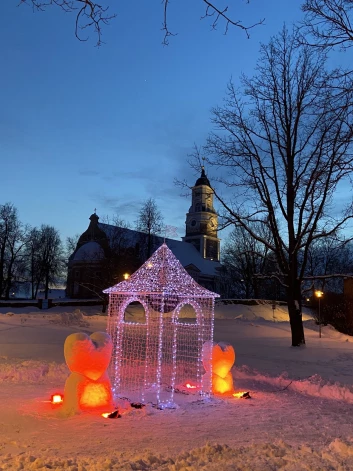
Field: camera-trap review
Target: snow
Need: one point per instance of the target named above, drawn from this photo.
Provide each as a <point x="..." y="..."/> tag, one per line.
<point x="299" y="416"/>
<point x="90" y="251"/>
<point x="185" y="252"/>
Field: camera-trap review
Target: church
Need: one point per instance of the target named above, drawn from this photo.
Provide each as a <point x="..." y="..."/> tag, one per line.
<point x="106" y="254"/>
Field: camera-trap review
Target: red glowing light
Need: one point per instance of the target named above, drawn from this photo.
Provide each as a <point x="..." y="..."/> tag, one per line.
<point x="111" y="415"/>
<point x="56" y="399"/>
<point x="190" y="386"/>
<point x="242" y="395"/>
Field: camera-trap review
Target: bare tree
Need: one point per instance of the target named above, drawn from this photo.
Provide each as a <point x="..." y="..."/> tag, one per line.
<point x="92" y="15"/>
<point x="150" y="222"/>
<point x="71" y="243"/>
<point x="33" y="258"/>
<point x="50" y="258"/>
<point x="327" y="257"/>
<point x="12" y="242"/>
<point x="329" y="22"/>
<point x="285" y="149"/>
<point x="243" y="259"/>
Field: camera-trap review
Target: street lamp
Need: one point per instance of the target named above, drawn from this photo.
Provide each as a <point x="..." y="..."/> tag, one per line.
<point x="319" y="295"/>
<point x="126" y="276"/>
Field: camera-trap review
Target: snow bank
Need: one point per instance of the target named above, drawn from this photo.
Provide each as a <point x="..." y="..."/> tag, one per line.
<point x="312" y="386"/>
<point x="31" y="371"/>
<point x="338" y="455"/>
<point x="71" y="318"/>
<point x="252" y="312"/>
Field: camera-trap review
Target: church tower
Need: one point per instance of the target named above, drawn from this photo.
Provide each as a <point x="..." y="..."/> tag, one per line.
<point x="202" y="221"/>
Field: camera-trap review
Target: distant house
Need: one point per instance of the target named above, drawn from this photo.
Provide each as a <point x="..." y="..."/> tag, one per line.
<point x="104" y="253"/>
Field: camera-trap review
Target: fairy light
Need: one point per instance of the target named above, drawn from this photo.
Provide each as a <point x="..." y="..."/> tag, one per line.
<point x="162" y="350"/>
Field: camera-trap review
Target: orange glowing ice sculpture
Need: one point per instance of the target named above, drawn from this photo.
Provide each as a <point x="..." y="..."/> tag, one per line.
<point x="223" y="358"/>
<point x="88" y="386"/>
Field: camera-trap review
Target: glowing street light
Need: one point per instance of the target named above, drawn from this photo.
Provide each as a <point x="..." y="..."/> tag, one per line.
<point x="126" y="276"/>
<point x="319" y="295"/>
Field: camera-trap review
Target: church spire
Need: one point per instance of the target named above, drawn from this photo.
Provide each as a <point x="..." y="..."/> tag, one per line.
<point x="203" y="180"/>
<point x="201" y="220"/>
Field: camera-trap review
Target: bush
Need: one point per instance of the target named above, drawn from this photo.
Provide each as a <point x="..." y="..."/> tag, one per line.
<point x="337" y="311"/>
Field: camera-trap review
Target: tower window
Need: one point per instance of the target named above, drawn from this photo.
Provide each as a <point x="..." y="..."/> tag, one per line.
<point x="193" y="222"/>
<point x="212" y="249"/>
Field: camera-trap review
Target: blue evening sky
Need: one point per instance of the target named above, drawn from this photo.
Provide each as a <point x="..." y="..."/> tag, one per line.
<point x="84" y="127"/>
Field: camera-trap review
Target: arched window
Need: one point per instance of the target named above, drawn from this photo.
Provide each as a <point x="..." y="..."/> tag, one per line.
<point x="135" y="313"/>
<point x="186" y="315"/>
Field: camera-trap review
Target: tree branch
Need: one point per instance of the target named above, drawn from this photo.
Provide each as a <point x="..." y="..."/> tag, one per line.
<point x="89" y="14"/>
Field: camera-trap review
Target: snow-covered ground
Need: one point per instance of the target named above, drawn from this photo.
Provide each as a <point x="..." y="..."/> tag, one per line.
<point x="299" y="417"/>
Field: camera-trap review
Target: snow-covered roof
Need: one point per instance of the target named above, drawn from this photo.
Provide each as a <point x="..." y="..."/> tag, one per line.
<point x="162" y="273"/>
<point x="185" y="252"/>
<point x="189" y="255"/>
<point x="90" y="251"/>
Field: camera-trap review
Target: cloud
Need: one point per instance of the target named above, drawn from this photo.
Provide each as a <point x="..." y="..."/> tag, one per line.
<point x="124" y="206"/>
<point x="88" y="173"/>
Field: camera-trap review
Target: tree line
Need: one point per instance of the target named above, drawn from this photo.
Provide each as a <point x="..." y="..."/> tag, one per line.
<point x="249" y="269"/>
<point x="35" y="258"/>
<point x="29" y="256"/>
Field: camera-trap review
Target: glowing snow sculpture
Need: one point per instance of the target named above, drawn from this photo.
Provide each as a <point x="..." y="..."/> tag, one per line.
<point x="153" y="358"/>
<point x="88" y="386"/>
<point x="223" y="358"/>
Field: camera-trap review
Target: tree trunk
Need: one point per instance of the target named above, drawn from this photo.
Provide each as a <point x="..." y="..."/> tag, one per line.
<point x="46" y="289"/>
<point x="295" y="313"/>
<point x="149" y="245"/>
<point x="32" y="278"/>
<point x="2" y="258"/>
<point x="9" y="279"/>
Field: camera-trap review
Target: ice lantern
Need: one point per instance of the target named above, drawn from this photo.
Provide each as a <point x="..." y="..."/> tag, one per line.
<point x="160" y="352"/>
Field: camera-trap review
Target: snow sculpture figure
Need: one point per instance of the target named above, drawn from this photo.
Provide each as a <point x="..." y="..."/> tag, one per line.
<point x="159" y="352"/>
<point x="222" y="359"/>
<point x="88" y="386"/>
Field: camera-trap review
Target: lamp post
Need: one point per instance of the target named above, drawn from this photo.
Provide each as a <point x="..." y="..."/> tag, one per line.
<point x="319" y="294"/>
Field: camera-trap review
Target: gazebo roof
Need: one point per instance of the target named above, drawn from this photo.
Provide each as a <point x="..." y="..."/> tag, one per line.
<point x="162" y="273"/>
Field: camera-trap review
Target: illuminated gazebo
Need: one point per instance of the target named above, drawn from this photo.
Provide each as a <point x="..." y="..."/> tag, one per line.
<point x="158" y="349"/>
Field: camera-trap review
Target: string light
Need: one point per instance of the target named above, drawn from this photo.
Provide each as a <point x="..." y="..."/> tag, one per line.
<point x="155" y="353"/>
